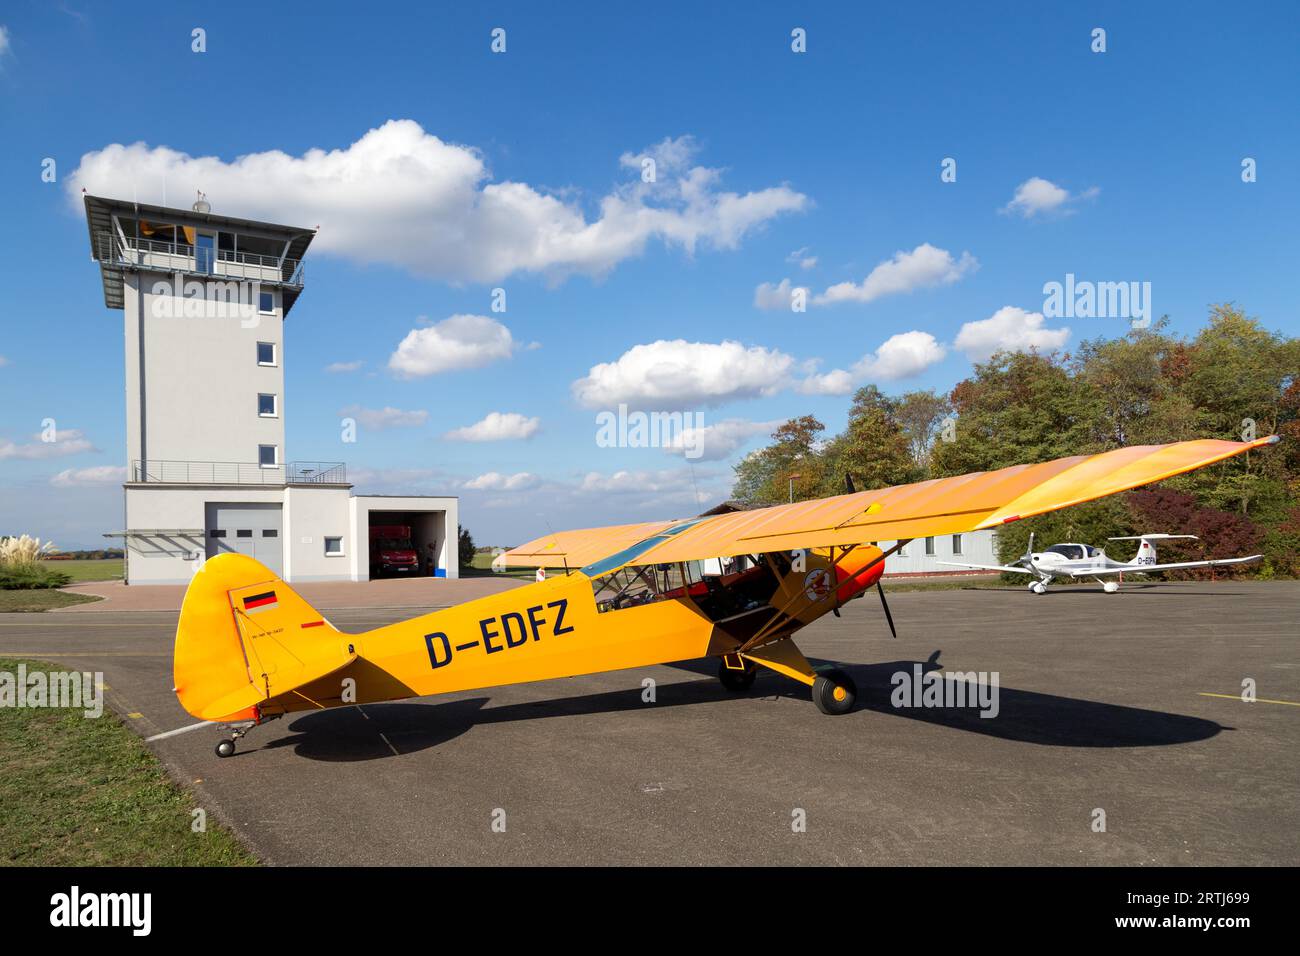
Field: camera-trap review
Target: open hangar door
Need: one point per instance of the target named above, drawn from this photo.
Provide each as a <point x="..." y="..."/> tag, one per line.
<point x="406" y="543"/>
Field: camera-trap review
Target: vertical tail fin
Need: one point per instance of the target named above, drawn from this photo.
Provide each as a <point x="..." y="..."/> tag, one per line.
<point x="1146" y="552"/>
<point x="245" y="637"/>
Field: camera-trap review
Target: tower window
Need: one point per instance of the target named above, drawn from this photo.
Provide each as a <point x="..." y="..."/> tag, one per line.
<point x="266" y="353"/>
<point x="266" y="303"/>
<point x="266" y="406"/>
<point x="266" y="456"/>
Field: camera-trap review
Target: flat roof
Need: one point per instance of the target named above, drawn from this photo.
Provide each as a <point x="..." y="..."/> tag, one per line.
<point x="100" y="211"/>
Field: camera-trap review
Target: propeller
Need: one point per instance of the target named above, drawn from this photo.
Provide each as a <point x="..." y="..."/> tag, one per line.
<point x="885" y="604"/>
<point x="1026" y="559"/>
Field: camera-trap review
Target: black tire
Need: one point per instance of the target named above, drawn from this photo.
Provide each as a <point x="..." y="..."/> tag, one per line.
<point x="834" y="692"/>
<point x="226" y="748"/>
<point x="737" y="681"/>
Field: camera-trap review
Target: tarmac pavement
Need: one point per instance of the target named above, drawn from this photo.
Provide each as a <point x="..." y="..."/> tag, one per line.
<point x="1102" y="706"/>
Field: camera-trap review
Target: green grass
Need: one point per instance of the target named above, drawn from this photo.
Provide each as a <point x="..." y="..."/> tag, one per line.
<point x="482" y="567"/>
<point x="42" y="600"/>
<point x="87" y="792"/>
<point x="81" y="571"/>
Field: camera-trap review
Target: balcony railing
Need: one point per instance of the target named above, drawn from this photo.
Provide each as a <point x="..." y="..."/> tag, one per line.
<point x="238" y="472"/>
<point x="180" y="257"/>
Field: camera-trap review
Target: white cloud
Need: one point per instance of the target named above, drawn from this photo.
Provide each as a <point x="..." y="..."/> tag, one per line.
<point x="83" y="477"/>
<point x="802" y="259"/>
<point x="1008" y="329"/>
<point x="923" y="267"/>
<point x="67" y="441"/>
<point x="458" y="342"/>
<point x="899" y="356"/>
<point x="719" y="440"/>
<point x="835" y="382"/>
<point x="378" y="419"/>
<point x="497" y="426"/>
<point x="3" y="361"/>
<point x="677" y="374"/>
<point x="495" y="481"/>
<point x="780" y="296"/>
<point x="401" y="196"/>
<point x="632" y="482"/>
<point x="343" y="366"/>
<point x="1038" y="196"/>
<point x="4" y="40"/>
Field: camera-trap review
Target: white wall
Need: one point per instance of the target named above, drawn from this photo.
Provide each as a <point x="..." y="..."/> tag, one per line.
<point x="978" y="547"/>
<point x="310" y="515"/>
<point x="201" y="378"/>
<point x="170" y="560"/>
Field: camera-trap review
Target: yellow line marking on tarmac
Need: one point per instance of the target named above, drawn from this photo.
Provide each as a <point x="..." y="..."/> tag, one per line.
<point x="1258" y="700"/>
<point x="135" y="715"/>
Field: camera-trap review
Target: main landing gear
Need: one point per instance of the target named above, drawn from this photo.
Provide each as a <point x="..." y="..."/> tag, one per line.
<point x="833" y="691"/>
<point x="1038" y="587"/>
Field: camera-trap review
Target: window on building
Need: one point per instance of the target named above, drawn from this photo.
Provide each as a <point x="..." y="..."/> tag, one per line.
<point x="266" y="406"/>
<point x="217" y="533"/>
<point x="956" y="544"/>
<point x="205" y="252"/>
<point x="270" y="533"/>
<point x="267" y="456"/>
<point x="266" y="303"/>
<point x="266" y="353"/>
<point x="929" y="546"/>
<point x="243" y="532"/>
<point x="902" y="551"/>
<point x="333" y="546"/>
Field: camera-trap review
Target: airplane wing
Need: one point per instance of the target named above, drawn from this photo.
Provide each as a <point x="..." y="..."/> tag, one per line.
<point x="988" y="567"/>
<point x="935" y="507"/>
<point x="1180" y="566"/>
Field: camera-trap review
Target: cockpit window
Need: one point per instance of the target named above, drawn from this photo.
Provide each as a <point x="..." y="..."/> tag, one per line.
<point x="1071" y="551"/>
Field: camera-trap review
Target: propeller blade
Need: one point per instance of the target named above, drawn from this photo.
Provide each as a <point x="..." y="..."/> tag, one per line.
<point x="885" y="604"/>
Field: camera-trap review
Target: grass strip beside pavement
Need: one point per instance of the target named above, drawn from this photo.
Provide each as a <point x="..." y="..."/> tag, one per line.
<point x="80" y="791"/>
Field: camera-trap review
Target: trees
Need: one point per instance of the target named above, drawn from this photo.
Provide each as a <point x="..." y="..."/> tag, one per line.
<point x="763" y="476"/>
<point x="464" y="547"/>
<point x="1147" y="386"/>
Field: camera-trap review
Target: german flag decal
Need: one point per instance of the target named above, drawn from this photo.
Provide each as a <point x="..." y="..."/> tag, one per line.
<point x="260" y="602"/>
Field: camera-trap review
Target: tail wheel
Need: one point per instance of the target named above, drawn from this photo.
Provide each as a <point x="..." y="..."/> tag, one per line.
<point x="834" y="692"/>
<point x="737" y="681"/>
<point x="226" y="748"/>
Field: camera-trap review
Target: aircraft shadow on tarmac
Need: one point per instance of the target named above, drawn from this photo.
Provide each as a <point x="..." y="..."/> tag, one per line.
<point x="377" y="731"/>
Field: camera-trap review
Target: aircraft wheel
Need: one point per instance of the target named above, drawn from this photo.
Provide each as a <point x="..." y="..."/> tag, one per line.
<point x="226" y="748"/>
<point x="1039" y="588"/>
<point x="834" y="692"/>
<point x="737" y="681"/>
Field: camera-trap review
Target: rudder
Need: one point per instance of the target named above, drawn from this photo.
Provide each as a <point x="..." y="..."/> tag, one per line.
<point x="244" y="637"/>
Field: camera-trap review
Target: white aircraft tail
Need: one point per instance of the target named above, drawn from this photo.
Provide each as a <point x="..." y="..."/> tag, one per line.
<point x="1146" y="552"/>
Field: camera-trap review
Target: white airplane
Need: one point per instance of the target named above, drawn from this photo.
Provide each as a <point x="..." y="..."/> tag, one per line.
<point x="1084" y="561"/>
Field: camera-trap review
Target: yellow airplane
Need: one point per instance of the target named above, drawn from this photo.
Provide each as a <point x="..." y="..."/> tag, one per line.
<point x="733" y="586"/>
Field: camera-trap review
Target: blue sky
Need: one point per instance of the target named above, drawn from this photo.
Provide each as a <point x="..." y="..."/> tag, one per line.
<point x="766" y="158"/>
